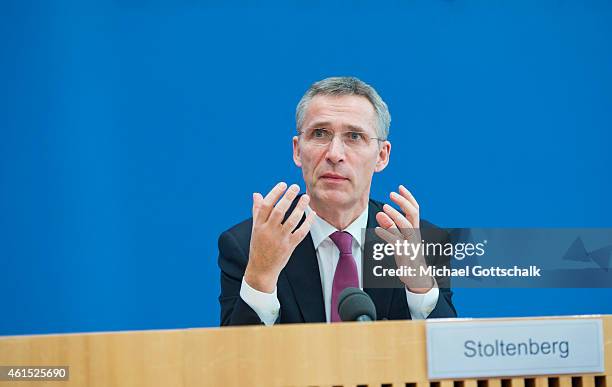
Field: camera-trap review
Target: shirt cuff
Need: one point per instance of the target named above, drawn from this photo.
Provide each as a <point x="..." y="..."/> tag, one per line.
<point x="266" y="305"/>
<point x="421" y="305"/>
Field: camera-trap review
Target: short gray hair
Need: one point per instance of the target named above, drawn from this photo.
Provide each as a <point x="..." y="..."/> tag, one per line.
<point x="338" y="86"/>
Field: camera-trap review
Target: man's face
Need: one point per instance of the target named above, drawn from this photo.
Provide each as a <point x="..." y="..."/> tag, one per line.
<point x="338" y="174"/>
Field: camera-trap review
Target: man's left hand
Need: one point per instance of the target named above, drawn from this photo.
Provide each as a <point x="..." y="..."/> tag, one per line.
<point x="395" y="226"/>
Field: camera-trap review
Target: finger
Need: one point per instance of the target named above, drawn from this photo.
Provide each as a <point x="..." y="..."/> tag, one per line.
<point x="406" y="230"/>
<point x="299" y="234"/>
<point x="385" y="235"/>
<point x="397" y="217"/>
<point x="257" y="200"/>
<point x="279" y="210"/>
<point x="410" y="211"/>
<point x="270" y="200"/>
<point x="384" y="220"/>
<point x="405" y="193"/>
<point x="297" y="214"/>
<point x="388" y="224"/>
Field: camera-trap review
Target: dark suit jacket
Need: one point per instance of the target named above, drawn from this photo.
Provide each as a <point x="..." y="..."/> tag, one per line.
<point x="299" y="285"/>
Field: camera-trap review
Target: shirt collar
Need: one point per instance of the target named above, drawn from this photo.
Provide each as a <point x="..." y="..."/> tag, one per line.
<point x="321" y="230"/>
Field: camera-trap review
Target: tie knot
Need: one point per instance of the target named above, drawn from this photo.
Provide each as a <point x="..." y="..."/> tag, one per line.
<point x="344" y="241"/>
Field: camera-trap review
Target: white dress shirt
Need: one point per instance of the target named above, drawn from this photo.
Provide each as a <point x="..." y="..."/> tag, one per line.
<point x="267" y="306"/>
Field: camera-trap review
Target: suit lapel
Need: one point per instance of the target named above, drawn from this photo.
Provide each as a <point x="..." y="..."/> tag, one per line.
<point x="381" y="296"/>
<point x="305" y="280"/>
<point x="303" y="275"/>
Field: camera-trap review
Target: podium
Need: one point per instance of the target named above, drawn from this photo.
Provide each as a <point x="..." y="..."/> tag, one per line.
<point x="384" y="353"/>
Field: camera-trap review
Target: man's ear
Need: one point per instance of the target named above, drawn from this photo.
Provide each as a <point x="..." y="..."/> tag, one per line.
<point x="383" y="156"/>
<point x="297" y="159"/>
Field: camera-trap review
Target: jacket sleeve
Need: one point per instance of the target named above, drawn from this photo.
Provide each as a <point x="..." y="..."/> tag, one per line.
<point x="232" y="262"/>
<point x="399" y="306"/>
<point x="444" y="307"/>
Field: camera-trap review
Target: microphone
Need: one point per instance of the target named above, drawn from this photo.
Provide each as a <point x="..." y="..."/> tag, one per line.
<point x="355" y="305"/>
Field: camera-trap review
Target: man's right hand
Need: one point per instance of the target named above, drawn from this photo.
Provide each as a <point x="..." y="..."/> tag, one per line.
<point x="273" y="242"/>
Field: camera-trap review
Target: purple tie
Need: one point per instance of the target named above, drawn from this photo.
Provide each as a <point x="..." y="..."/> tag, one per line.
<point x="346" y="270"/>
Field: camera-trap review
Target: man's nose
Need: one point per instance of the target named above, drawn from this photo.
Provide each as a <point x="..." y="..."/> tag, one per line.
<point x="335" y="151"/>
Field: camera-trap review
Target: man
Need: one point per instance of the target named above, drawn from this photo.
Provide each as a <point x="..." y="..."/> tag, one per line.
<point x="291" y="260"/>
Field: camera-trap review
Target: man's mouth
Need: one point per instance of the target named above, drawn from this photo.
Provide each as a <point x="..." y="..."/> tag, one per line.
<point x="333" y="177"/>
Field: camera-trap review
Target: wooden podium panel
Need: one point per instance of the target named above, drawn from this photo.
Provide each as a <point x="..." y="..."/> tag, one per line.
<point x="384" y="353"/>
<point x="310" y="354"/>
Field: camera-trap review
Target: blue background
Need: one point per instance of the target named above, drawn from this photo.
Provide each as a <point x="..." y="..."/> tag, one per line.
<point x="134" y="132"/>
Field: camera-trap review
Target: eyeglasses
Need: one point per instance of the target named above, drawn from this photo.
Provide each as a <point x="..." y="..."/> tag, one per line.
<point x="323" y="137"/>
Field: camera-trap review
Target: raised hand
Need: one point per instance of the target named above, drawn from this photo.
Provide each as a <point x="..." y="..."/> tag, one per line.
<point x="272" y="240"/>
<point x="395" y="226"/>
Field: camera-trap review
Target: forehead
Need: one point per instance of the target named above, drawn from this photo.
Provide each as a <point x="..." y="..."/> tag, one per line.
<point x="340" y="112"/>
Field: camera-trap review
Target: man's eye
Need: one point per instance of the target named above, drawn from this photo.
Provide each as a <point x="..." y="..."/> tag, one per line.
<point x="356" y="136"/>
<point x="319" y="133"/>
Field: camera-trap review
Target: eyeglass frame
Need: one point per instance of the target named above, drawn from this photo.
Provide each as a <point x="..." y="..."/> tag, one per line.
<point x="300" y="132"/>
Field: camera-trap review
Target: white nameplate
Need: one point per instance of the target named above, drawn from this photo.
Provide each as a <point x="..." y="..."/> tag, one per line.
<point x="505" y="348"/>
